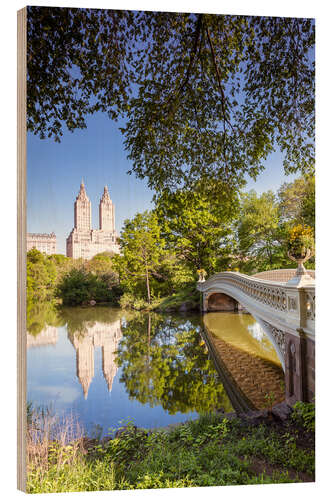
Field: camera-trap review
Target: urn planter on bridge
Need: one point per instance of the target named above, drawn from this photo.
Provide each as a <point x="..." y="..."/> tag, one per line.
<point x="301" y="278"/>
<point x="201" y="275"/>
<point x="300" y="249"/>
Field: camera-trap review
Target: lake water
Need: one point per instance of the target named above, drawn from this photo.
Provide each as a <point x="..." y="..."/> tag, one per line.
<point x="107" y="366"/>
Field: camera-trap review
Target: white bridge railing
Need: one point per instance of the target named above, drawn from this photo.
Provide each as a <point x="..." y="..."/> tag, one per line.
<point x="278" y="307"/>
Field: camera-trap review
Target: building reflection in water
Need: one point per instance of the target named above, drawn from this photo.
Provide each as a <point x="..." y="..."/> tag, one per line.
<point x="48" y="336"/>
<point x="104" y="335"/>
<point x="243" y="356"/>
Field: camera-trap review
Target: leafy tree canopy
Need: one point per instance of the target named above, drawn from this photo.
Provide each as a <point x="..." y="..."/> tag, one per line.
<point x="297" y="201"/>
<point x="203" y="96"/>
<point x="41" y="277"/>
<point x="197" y="224"/>
<point x="257" y="228"/>
<point x="308" y="204"/>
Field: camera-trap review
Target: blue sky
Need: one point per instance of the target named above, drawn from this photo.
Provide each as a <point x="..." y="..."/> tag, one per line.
<point x="96" y="154"/>
<point x="54" y="173"/>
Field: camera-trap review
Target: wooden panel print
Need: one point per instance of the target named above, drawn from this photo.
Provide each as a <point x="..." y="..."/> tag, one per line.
<point x="166" y="321"/>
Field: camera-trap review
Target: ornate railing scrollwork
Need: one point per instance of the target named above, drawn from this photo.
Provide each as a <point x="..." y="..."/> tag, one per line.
<point x="310" y="305"/>
<point x="280" y="339"/>
<point x="268" y="294"/>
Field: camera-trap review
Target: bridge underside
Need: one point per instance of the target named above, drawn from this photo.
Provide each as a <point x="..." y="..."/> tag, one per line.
<point x="295" y="351"/>
<point x="221" y="302"/>
<point x="217" y="301"/>
<point x="247" y="379"/>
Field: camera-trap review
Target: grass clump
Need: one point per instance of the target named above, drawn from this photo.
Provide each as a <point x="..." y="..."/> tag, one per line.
<point x="210" y="451"/>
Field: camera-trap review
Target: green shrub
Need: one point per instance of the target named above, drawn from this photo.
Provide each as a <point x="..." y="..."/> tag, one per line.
<point x="79" y="286"/>
<point x="304" y="415"/>
<point x="131" y="301"/>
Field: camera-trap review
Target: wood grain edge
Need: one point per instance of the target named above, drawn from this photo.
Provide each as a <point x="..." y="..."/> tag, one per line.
<point x="21" y="246"/>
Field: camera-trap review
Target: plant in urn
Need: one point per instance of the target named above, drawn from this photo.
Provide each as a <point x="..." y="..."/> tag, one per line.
<point x="201" y="275"/>
<point x="301" y="248"/>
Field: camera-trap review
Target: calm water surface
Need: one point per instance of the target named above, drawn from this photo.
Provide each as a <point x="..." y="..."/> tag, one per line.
<point x="108" y="366"/>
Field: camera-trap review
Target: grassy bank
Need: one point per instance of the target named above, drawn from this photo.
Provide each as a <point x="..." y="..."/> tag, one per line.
<point x="186" y="299"/>
<point x="211" y="451"/>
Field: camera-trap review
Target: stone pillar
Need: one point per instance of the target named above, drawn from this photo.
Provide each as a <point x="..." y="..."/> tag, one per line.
<point x="294" y="369"/>
<point x="204" y="302"/>
<point x="309" y="362"/>
<point x="300" y="368"/>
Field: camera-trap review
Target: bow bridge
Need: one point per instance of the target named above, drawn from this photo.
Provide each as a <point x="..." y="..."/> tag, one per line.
<point x="283" y="303"/>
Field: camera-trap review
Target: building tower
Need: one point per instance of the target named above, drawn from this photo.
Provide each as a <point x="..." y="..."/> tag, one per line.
<point x="109" y="353"/>
<point x="106" y="212"/>
<point x="85" y="366"/>
<point x="82" y="210"/>
<point x="84" y="242"/>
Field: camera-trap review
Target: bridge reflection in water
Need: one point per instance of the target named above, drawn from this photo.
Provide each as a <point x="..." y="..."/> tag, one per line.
<point x="245" y="359"/>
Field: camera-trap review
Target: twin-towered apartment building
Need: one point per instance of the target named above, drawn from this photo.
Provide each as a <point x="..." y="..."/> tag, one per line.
<point x="83" y="241"/>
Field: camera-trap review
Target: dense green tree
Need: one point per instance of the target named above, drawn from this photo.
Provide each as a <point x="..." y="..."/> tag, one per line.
<point x="258" y="231"/>
<point x="197" y="224"/>
<point x="63" y="265"/>
<point x="50" y="276"/>
<point x="308" y="203"/>
<point x="79" y="286"/>
<point x="41" y="276"/>
<point x="142" y="250"/>
<point x="203" y="96"/>
<point x="34" y="256"/>
<point x="296" y="208"/>
<point x="290" y="196"/>
<point x="172" y="275"/>
<point x="297" y="201"/>
<point x="101" y="265"/>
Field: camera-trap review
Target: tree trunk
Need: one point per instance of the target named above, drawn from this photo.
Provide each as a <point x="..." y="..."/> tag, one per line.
<point x="147" y="284"/>
<point x="148" y="332"/>
<point x="148" y="339"/>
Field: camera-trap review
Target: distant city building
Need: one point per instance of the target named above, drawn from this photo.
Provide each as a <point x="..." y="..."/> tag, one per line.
<point x="85" y="242"/>
<point x="45" y="243"/>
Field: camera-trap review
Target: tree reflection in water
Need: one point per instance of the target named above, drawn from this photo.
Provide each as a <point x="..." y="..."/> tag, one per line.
<point x="163" y="358"/>
<point x="164" y="362"/>
<point x="41" y="315"/>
